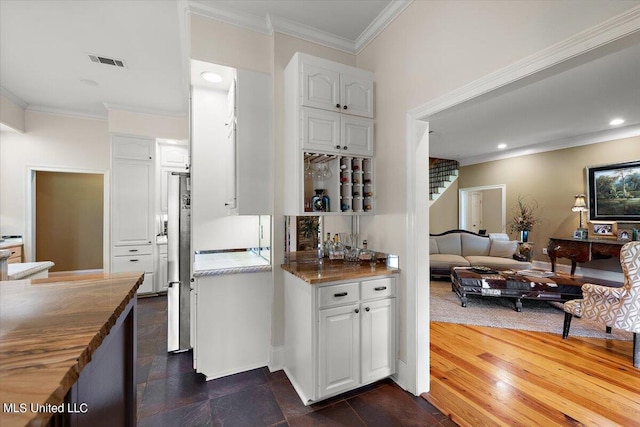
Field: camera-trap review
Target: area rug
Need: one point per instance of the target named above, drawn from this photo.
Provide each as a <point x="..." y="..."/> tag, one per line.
<point x="540" y="316"/>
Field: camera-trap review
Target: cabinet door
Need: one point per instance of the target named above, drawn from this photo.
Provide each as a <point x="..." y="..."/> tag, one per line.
<point x="132" y="148"/>
<point x="320" y="88"/>
<point x="356" y="136"/>
<point x="356" y="95"/>
<point x="320" y="130"/>
<point x="132" y="203"/>
<point x="174" y="156"/>
<point x="378" y="339"/>
<point x="339" y="349"/>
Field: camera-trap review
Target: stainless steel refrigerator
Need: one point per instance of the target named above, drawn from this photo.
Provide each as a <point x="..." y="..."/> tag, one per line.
<point x="179" y="261"/>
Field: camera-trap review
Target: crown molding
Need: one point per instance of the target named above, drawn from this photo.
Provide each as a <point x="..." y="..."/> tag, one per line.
<point x="14" y="98"/>
<point x="64" y="112"/>
<point x="559" y="144"/>
<point x="269" y="24"/>
<point x="305" y="32"/>
<point x="610" y="30"/>
<point x="233" y="17"/>
<point x="141" y="110"/>
<point x="386" y="17"/>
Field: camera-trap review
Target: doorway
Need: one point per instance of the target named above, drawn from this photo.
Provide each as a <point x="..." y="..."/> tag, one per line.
<point x="483" y="208"/>
<point x="67" y="219"/>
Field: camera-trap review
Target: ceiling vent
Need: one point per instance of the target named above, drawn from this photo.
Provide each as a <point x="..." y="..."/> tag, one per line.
<point x="107" y="61"/>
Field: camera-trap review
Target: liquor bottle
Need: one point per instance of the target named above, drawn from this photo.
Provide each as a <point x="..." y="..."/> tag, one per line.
<point x="366" y="255"/>
<point x="318" y="203"/>
<point x="326" y="247"/>
<point x="337" y="249"/>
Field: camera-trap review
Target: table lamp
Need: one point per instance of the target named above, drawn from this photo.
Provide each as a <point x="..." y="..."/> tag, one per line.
<point x="580" y="205"/>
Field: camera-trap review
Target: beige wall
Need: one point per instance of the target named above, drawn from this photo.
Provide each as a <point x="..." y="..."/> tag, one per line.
<point x="49" y="141"/>
<point x="224" y="44"/>
<point x="443" y="213"/>
<point x="11" y="115"/>
<point x="432" y="48"/>
<point x="151" y="125"/>
<point x="551" y="179"/>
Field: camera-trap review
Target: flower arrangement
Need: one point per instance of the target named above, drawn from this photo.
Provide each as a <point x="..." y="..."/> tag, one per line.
<point x="523" y="215"/>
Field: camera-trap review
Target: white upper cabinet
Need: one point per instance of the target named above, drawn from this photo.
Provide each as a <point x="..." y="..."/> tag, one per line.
<point x="336" y="87"/>
<point x="328" y="128"/>
<point x="320" y="88"/>
<point x="356" y="95"/>
<point x="174" y="156"/>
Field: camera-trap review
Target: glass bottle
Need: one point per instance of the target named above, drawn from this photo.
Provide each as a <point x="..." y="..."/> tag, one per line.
<point x="366" y="255"/>
<point x="337" y="249"/>
<point x="320" y="202"/>
<point x="326" y="247"/>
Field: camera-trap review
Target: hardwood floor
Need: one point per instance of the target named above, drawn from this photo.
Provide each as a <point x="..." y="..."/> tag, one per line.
<point x="482" y="376"/>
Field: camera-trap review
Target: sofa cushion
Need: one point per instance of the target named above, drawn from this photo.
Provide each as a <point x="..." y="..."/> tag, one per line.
<point x="446" y="261"/>
<point x="474" y="245"/>
<point x="449" y="244"/>
<point x="504" y="249"/>
<point x="498" y="236"/>
<point x="433" y="246"/>
<point x="498" y="263"/>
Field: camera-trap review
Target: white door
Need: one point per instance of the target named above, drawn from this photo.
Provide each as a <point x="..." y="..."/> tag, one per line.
<point x="356" y="96"/>
<point x="378" y="339"/>
<point x="356" y="135"/>
<point x="339" y="345"/>
<point x="320" y="130"/>
<point x="320" y="88"/>
<point x="475" y="211"/>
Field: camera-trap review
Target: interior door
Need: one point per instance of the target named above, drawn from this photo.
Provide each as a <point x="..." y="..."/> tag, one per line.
<point x="475" y="212"/>
<point x="69" y="213"/>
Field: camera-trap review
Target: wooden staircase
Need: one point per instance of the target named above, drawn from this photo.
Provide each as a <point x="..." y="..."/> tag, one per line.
<point x="442" y="173"/>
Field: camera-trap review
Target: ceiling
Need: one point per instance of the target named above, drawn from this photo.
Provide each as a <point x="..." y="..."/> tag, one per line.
<point x="45" y="66"/>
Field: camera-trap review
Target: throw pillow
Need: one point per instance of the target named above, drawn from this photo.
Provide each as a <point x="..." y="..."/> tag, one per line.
<point x="503" y="249"/>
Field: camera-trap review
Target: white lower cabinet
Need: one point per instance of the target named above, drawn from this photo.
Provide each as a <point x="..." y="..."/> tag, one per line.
<point x="135" y="258"/>
<point x="346" y="340"/>
<point x="162" y="283"/>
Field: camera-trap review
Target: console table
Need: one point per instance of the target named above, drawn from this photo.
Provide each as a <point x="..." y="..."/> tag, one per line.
<point x="581" y="250"/>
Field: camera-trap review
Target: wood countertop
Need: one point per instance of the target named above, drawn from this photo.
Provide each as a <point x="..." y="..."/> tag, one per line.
<point x="306" y="266"/>
<point x="49" y="330"/>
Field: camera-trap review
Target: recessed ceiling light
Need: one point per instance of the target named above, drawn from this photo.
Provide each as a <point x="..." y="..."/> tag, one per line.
<point x="616" y="122"/>
<point x="211" y="77"/>
<point x="502" y="146"/>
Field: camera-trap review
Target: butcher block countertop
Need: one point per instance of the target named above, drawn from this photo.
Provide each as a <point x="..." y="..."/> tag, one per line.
<point x="49" y="330"/>
<point x="306" y="266"/>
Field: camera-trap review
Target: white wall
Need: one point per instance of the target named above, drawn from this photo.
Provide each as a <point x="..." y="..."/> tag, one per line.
<point x="11" y="115"/>
<point x="49" y="141"/>
<point x="213" y="227"/>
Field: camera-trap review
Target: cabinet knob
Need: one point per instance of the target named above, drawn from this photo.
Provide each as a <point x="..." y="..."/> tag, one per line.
<point x="356" y="311"/>
<point x="367" y="309"/>
<point x="134" y="260"/>
<point x="337" y="147"/>
<point x="345" y="147"/>
<point x="345" y="107"/>
<point x="337" y="105"/>
<point x="340" y="294"/>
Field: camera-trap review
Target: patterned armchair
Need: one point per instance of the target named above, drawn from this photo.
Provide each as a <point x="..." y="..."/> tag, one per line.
<point x="615" y="307"/>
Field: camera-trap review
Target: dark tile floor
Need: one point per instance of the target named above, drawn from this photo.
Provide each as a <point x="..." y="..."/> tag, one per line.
<point x="170" y="393"/>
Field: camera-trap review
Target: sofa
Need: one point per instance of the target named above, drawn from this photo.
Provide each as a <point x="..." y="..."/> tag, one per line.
<point x="461" y="248"/>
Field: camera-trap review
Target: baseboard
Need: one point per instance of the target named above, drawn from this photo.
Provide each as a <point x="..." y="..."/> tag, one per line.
<point x="400" y="377"/>
<point x="276" y="359"/>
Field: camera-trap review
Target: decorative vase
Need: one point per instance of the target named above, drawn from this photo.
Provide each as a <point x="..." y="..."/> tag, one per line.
<point x="524" y="236"/>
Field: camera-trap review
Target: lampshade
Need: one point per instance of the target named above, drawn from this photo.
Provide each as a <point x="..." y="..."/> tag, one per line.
<point x="580" y="204"/>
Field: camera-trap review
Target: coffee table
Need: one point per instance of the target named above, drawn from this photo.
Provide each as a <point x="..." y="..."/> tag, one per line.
<point x="507" y="284"/>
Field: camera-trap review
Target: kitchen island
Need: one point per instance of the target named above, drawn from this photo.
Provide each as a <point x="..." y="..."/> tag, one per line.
<point x="68" y="350"/>
<point x="340" y="324"/>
